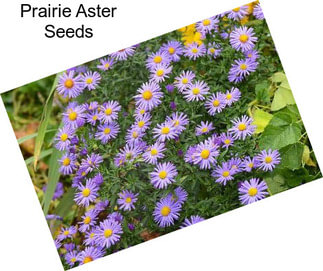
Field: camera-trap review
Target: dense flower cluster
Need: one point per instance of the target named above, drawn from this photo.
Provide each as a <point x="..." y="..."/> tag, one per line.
<point x="146" y="144"/>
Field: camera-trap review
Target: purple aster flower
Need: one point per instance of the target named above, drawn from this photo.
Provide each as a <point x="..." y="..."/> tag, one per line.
<point x="205" y="155"/>
<point x="89" y="239"/>
<point x="140" y="111"/>
<point x="58" y="243"/>
<point x="92" y="162"/>
<point x="214" y="50"/>
<point x="160" y="72"/>
<point x="59" y="190"/>
<point x="268" y="159"/>
<point x="129" y="153"/>
<point x="252" y="54"/>
<point x="69" y="246"/>
<point x="196" y="91"/>
<point x="109" y="111"/>
<point x="106" y="63"/>
<point x="170" y="88"/>
<point x="238" y="13"/>
<point x="88" y="220"/>
<point x="131" y="226"/>
<point x="194" y="51"/>
<point x="70" y="85"/>
<point x="91" y="80"/>
<point x="91" y="106"/>
<point x="179" y="121"/>
<point x="149" y="96"/>
<point x="108" y="233"/>
<point x="142" y="122"/>
<point x="191" y="220"/>
<point x="223" y="173"/>
<point x="66" y="233"/>
<point x="126" y="200"/>
<point x="257" y="12"/>
<point x="90" y="254"/>
<point x="101" y="205"/>
<point x="173" y="105"/>
<point x="243" y="38"/>
<point x="165" y="131"/>
<point x="74" y="115"/>
<point x="236" y="164"/>
<point x="248" y="164"/>
<point x="184" y="80"/>
<point x="68" y="164"/>
<point x="71" y="258"/>
<point x="252" y="190"/>
<point x="98" y="179"/>
<point x="163" y="175"/>
<point x="53" y="217"/>
<point x="179" y="195"/>
<point x="242" y="127"/>
<point x="63" y="138"/>
<point x="106" y="132"/>
<point x="134" y="135"/>
<point x="207" y="25"/>
<point x="204" y="128"/>
<point x="224" y="35"/>
<point x="215" y="103"/>
<point x="79" y="69"/>
<point x="166" y="212"/>
<point x="160" y="57"/>
<point x="190" y="155"/>
<point x="174" y="49"/>
<point x="241" y="68"/>
<point x="87" y="193"/>
<point x="116" y="216"/>
<point x="227" y="140"/>
<point x="232" y="96"/>
<point x="123" y="54"/>
<point x="93" y="117"/>
<point x="154" y="152"/>
<point x="214" y="140"/>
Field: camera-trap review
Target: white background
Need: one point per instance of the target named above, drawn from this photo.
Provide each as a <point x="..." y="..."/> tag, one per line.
<point x="283" y="232"/>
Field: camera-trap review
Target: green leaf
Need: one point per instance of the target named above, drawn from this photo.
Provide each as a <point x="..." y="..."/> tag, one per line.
<point x="306" y="159"/>
<point x="261" y="120"/>
<point x="280" y="132"/>
<point x="42" y="155"/>
<point x="276" y="184"/>
<point x="27" y="137"/>
<point x="278" y="77"/>
<point x="291" y="156"/>
<point x="262" y="92"/>
<point x="66" y="203"/>
<point x="44" y="122"/>
<point x="53" y="177"/>
<point x="283" y="96"/>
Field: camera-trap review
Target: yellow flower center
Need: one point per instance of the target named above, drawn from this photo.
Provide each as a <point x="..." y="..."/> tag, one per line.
<point x="135" y="134"/>
<point x="242" y="127"/>
<point x="160" y="72"/>
<point x="229" y="96"/>
<point x="243" y="66"/>
<point x="212" y="50"/>
<point x="107" y="233"/>
<point x="236" y="9"/>
<point x="147" y="95"/>
<point x="87" y="220"/>
<point x="115" y="208"/>
<point x="196" y="91"/>
<point x="250" y="55"/>
<point x="73" y="260"/>
<point x="244" y="38"/>
<point x="141" y="124"/>
<point x="66" y="161"/>
<point x="227" y="141"/>
<point x="86" y="192"/>
<point x="216" y="103"/>
<point x="176" y="122"/>
<point x="95" y="117"/>
<point x="205" y="154"/>
<point x="206" y="22"/>
<point x="252" y="191"/>
<point x="128" y="200"/>
<point x="87" y="259"/>
<point x="107" y="65"/>
<point x="163" y="174"/>
<point x="171" y="50"/>
<point x="250" y="165"/>
<point x="225" y="174"/>
<point x="69" y="83"/>
<point x="72" y="116"/>
<point x="165" y="211"/>
<point x="194" y="50"/>
<point x="89" y="80"/>
<point x="64" y="137"/>
<point x="205" y="129"/>
<point x="185" y="80"/>
<point x="83" y="173"/>
<point x="165" y="130"/>
<point x="158" y="59"/>
<point x="66" y="233"/>
<point x="92" y="235"/>
<point x="268" y="159"/>
<point x="108" y="111"/>
<point x="142" y="111"/>
<point x="153" y="152"/>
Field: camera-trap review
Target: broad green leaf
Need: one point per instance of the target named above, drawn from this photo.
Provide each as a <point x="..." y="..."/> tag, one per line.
<point x="44" y="122"/>
<point x="291" y="156"/>
<point x="278" y="77"/>
<point x="42" y="155"/>
<point x="262" y="92"/>
<point x="306" y="159"/>
<point x="261" y="120"/>
<point x="283" y="96"/>
<point x="276" y="184"/>
<point x="280" y="132"/>
<point x="53" y="177"/>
